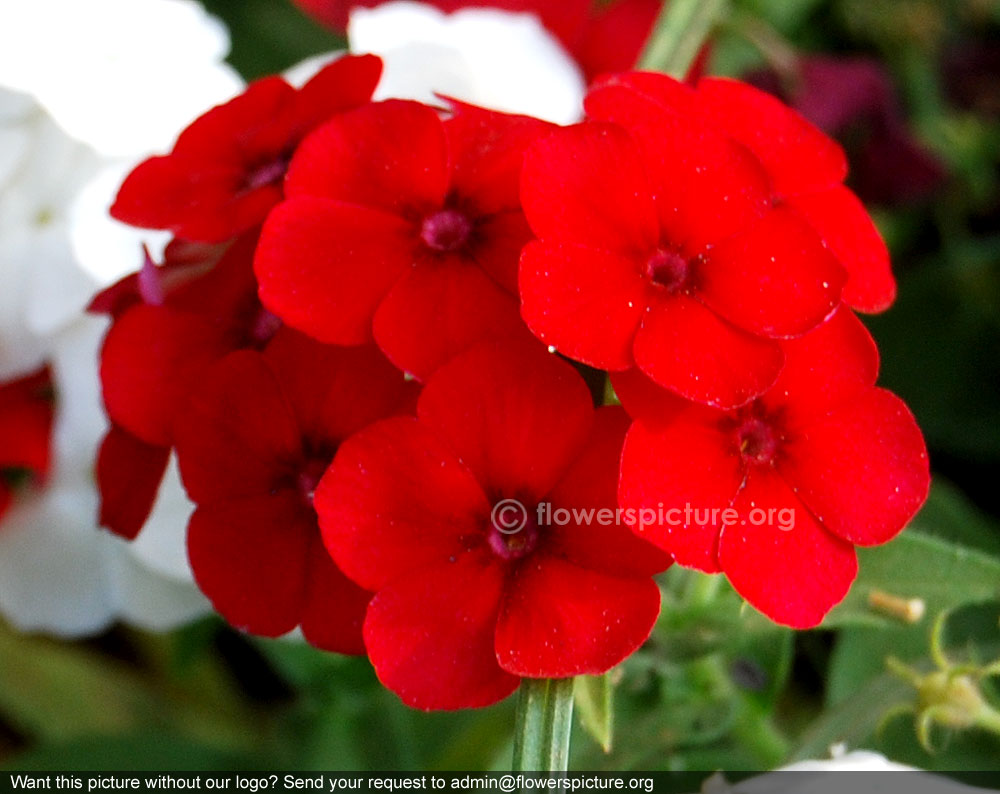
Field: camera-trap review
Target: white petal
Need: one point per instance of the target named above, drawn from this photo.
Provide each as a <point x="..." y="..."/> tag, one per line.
<point x="104" y="248"/>
<point x="121" y="75"/>
<point x="162" y="543"/>
<point x="494" y="58"/>
<point x="52" y="563"/>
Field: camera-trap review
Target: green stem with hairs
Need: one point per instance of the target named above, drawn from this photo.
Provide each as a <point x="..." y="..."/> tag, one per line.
<point x="544" y="720"/>
<point x="679" y="33"/>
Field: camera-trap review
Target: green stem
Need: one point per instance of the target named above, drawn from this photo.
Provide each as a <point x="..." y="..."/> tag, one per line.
<point x="679" y="34"/>
<point x="544" y="719"/>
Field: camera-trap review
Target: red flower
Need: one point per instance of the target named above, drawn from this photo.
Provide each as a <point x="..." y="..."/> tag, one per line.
<point x="171" y="322"/>
<point x="470" y="596"/>
<point x="665" y="242"/>
<point x="615" y="35"/>
<point x="404" y="226"/>
<point x="129" y="472"/>
<point x="824" y="450"/>
<point x="226" y="170"/>
<point x="26" y="415"/>
<point x="252" y="444"/>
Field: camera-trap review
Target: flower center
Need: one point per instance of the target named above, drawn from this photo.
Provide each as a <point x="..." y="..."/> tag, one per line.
<point x="668" y="269"/>
<point x="447" y="230"/>
<point x="758" y="441"/>
<point x="310" y="475"/>
<point x="267" y="174"/>
<point x="513" y="531"/>
<point x="263" y="327"/>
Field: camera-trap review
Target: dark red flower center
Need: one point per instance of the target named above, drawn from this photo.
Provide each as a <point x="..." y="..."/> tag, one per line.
<point x="446" y="230"/>
<point x="309" y="476"/>
<point x="758" y="441"/>
<point x="513" y="531"/>
<point x="668" y="269"/>
<point x="263" y="327"/>
<point x="267" y="173"/>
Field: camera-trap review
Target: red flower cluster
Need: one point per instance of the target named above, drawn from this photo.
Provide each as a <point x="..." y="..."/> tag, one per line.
<point x="402" y="226"/>
<point x="466" y="592"/>
<point x="820" y="462"/>
<point x="26" y="415"/>
<point x="696" y="243"/>
<point x="722" y="228"/>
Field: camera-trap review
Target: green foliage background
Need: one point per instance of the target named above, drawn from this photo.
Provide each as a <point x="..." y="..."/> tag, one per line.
<point x="718" y="686"/>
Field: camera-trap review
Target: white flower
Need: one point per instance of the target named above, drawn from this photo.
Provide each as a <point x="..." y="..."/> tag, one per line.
<point x="40" y="173"/>
<point x="813" y="777"/>
<point x="488" y="57"/>
<point x="80" y="102"/>
<point x="122" y="75"/>
<point x="58" y="572"/>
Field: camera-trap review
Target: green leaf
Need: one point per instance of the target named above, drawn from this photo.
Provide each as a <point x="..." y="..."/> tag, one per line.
<point x="59" y="691"/>
<point x="145" y="752"/>
<point x="950" y="516"/>
<point x="948" y="557"/>
<point x="269" y="36"/>
<point x="854" y="720"/>
<point x="942" y="573"/>
<point x="593" y="695"/>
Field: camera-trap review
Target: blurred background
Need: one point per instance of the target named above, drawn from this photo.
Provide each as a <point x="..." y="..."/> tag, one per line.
<point x="912" y="90"/>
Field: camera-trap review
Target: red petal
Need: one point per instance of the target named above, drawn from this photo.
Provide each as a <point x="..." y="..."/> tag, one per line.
<point x="197" y="200"/>
<point x="151" y="357"/>
<point x="334" y="608"/>
<point x="515" y="415"/>
<point x="794" y="576"/>
<point x="440" y="309"/>
<point x="430" y="635"/>
<point x="645" y="399"/>
<point x="499" y="241"/>
<point x="256" y="120"/>
<point x="238" y="435"/>
<point x="707" y="186"/>
<point x="586" y="303"/>
<point x="863" y="470"/>
<point x="636" y="97"/>
<point x="586" y="185"/>
<point x="847" y="230"/>
<point x="395" y="499"/>
<point x="324" y="267"/>
<point x="390" y="156"/>
<point x="129" y="473"/>
<point x="27" y="409"/>
<point x="689" y="349"/>
<point x="486" y="149"/>
<point x="798" y="156"/>
<point x="615" y="35"/>
<point x="675" y="480"/>
<point x="559" y="620"/>
<point x="6" y="499"/>
<point x="344" y="84"/>
<point x="250" y="557"/>
<point x="777" y="279"/>
<point x="592" y="485"/>
<point x="827" y="367"/>
<point x="336" y="391"/>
